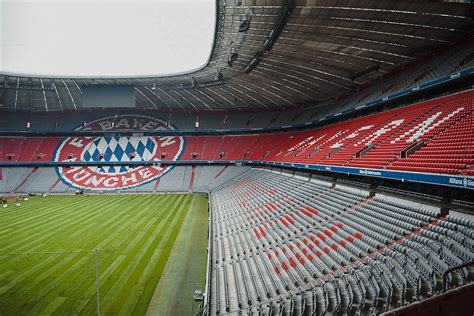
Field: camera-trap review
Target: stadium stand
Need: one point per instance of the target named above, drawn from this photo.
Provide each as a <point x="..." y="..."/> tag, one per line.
<point x="435" y="66"/>
<point x="429" y="68"/>
<point x="46" y="180"/>
<point x="290" y="244"/>
<point x="434" y="136"/>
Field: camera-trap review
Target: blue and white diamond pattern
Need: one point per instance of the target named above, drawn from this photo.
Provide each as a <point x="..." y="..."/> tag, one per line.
<point x="119" y="149"/>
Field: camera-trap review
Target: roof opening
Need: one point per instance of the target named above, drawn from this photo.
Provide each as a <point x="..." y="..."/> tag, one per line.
<point x="85" y="38"/>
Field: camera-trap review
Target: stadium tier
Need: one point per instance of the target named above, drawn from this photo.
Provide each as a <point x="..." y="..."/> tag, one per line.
<point x="434" y="136"/>
<point x="420" y="74"/>
<point x="291" y="245"/>
<point x="177" y="179"/>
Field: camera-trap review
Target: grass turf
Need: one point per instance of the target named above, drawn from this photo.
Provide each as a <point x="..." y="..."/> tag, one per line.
<point x="47" y="259"/>
<point x="186" y="267"/>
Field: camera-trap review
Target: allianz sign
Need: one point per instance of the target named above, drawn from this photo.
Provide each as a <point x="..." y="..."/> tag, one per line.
<point x="465" y="182"/>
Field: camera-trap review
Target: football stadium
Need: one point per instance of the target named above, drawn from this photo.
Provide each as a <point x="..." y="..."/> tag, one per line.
<point x="237" y="157"/>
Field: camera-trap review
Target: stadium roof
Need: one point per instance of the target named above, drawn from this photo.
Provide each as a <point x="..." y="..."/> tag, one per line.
<point x="277" y="55"/>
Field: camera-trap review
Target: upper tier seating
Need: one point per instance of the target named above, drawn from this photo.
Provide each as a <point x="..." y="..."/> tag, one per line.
<point x="429" y="68"/>
<point x="434" y="67"/>
<point x="287" y="244"/>
<point x="435" y="136"/>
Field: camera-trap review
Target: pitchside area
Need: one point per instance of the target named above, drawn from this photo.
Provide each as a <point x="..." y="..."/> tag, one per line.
<point x="47" y="257"/>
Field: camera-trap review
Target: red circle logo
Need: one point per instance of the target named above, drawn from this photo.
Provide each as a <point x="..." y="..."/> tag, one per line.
<point x="118" y="149"/>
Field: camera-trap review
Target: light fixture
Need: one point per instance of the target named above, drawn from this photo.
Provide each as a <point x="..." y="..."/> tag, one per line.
<point x="245" y="22"/>
<point x="219" y="76"/>
<point x="254" y="62"/>
<point x="370" y="68"/>
<point x="232" y="57"/>
<point x="154" y="86"/>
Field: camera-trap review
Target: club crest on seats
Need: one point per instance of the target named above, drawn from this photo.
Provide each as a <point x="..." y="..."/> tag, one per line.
<point x="107" y="151"/>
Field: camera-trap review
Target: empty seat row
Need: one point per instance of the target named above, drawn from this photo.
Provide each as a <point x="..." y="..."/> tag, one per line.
<point x="290" y="243"/>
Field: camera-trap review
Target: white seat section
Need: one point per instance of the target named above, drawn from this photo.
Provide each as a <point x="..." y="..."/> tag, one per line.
<point x="297" y="244"/>
<point x="178" y="179"/>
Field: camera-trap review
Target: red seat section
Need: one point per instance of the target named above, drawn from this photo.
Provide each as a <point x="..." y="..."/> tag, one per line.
<point x="435" y="136"/>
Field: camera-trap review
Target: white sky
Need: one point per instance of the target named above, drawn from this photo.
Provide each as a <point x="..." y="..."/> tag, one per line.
<point x="105" y="38"/>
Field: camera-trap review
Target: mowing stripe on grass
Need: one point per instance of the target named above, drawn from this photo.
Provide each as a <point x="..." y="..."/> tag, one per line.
<point x="186" y="265"/>
<point x="47" y="252"/>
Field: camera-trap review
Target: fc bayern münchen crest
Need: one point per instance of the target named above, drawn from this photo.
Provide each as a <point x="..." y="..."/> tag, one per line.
<point x="117" y="148"/>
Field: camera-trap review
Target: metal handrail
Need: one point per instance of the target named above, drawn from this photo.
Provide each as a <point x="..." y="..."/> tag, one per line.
<point x="445" y="274"/>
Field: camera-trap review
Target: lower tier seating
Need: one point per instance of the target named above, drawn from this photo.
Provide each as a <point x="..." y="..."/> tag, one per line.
<point x="286" y="244"/>
<point x="179" y="179"/>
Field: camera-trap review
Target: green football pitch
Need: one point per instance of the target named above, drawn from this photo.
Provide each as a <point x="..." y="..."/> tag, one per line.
<point x="47" y="254"/>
